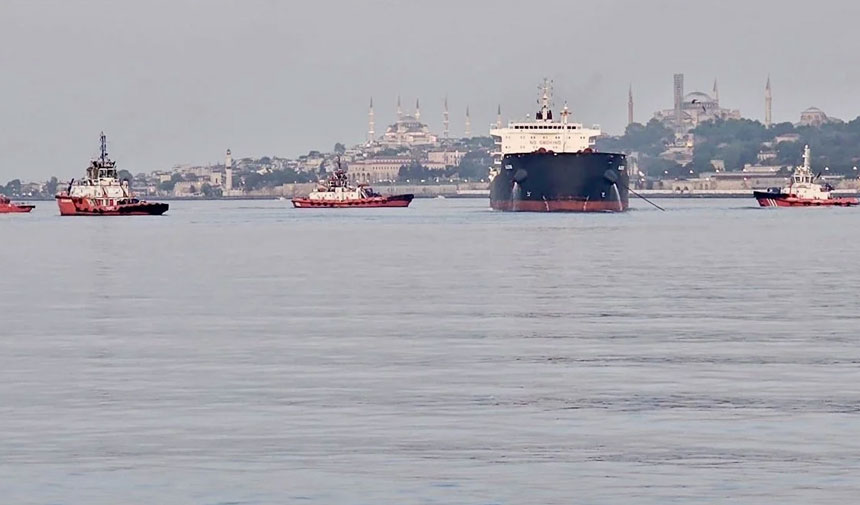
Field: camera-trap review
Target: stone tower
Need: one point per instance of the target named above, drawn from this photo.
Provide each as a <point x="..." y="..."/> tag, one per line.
<point x="371" y="133"/>
<point x="228" y="173"/>
<point x="768" y="104"/>
<point x="445" y="122"/>
<point x="679" y="99"/>
<point x="630" y="105"/>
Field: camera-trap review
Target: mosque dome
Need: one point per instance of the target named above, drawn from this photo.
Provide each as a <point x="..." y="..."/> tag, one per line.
<point x="698" y="97"/>
<point x="408" y="124"/>
<point x="815" y="117"/>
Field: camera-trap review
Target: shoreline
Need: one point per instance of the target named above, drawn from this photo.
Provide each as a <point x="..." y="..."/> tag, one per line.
<point x="433" y="192"/>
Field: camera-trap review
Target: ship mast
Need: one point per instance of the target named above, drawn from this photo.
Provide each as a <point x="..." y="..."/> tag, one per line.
<point x="564" y="114"/>
<point x="545" y="113"/>
<point x="104" y="153"/>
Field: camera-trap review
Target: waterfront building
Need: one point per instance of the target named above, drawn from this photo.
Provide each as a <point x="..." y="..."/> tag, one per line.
<point x="445" y="158"/>
<point x="681" y="151"/>
<point x="787" y="137"/>
<point x="374" y="170"/>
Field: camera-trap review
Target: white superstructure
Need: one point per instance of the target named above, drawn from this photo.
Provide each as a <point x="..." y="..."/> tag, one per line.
<point x="803" y="183"/>
<point x="543" y="133"/>
<point x="101" y="184"/>
<point x="337" y="189"/>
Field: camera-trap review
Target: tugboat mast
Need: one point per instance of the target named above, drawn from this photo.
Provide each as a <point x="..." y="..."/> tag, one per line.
<point x="104" y="147"/>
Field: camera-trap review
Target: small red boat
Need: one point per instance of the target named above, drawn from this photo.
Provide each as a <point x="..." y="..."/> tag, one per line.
<point x="101" y="193"/>
<point x="336" y="192"/>
<point x="7" y="207"/>
<point x="803" y="191"/>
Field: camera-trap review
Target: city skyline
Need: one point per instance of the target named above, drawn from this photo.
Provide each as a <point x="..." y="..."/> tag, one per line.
<point x="179" y="84"/>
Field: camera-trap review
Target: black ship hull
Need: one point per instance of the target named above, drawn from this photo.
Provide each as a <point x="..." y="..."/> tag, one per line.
<point x="561" y="182"/>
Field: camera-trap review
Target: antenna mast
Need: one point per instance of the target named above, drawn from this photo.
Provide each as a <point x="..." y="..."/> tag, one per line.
<point x="104" y="153"/>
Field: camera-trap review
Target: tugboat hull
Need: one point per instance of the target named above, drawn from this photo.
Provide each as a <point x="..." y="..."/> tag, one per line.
<point x="73" y="206"/>
<point x="372" y="202"/>
<point x="770" y="199"/>
<point x="13" y="208"/>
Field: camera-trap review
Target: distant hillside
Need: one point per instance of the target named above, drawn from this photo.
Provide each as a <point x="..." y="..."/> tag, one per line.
<point x="739" y="142"/>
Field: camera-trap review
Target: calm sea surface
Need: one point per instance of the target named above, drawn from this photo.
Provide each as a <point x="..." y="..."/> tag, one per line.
<point x="250" y="353"/>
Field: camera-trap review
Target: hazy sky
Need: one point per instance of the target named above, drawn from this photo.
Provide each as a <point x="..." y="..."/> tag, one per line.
<point x="179" y="81"/>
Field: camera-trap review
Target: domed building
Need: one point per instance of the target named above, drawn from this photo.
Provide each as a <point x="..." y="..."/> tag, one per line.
<point x="407" y="131"/>
<point x="814" y="116"/>
<point x="694" y="108"/>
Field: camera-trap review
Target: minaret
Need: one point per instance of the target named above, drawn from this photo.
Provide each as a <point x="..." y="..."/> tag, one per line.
<point x="371" y="134"/>
<point x="499" y="116"/>
<point x="679" y="100"/>
<point x="768" y="105"/>
<point x="399" y="109"/>
<point x="228" y="173"/>
<point x="468" y="130"/>
<point x="630" y="105"/>
<point x="716" y="92"/>
<point x="417" y="110"/>
<point x="445" y="122"/>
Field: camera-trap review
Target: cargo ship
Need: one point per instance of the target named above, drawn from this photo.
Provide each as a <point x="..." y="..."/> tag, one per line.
<point x="9" y="207"/>
<point x="101" y="193"/>
<point x="337" y="192"/>
<point x="546" y="165"/>
<point x="803" y="191"/>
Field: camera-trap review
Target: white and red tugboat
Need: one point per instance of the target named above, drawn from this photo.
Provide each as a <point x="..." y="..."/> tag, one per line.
<point x="336" y="192"/>
<point x="803" y="191"/>
<point x="8" y="207"/>
<point x="101" y="193"/>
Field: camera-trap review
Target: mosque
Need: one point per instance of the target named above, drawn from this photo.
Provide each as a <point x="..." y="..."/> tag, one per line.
<point x="693" y="108"/>
<point x="814" y="116"/>
<point x="407" y="131"/>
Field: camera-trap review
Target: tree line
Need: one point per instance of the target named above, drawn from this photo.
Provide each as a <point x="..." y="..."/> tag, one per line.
<point x="738" y="142"/>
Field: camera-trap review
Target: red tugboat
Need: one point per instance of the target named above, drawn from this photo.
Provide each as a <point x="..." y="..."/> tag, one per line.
<point x="7" y="207"/>
<point x="336" y="192"/>
<point x="803" y="191"/>
<point x="101" y="193"/>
